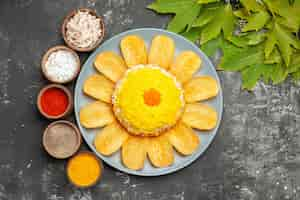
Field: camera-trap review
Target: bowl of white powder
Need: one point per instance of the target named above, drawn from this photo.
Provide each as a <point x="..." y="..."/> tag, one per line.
<point x="60" y="64"/>
<point x="83" y="30"/>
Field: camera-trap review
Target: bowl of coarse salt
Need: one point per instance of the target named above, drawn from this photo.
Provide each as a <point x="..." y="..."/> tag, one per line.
<point x="83" y="30"/>
<point x="60" y="64"/>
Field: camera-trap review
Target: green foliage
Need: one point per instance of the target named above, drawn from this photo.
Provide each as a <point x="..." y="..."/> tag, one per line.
<point x="237" y="59"/>
<point x="284" y="39"/>
<point x="207" y="1"/>
<point x="212" y="46"/>
<point x="214" y="21"/>
<point x="185" y="12"/>
<point x="286" y="12"/>
<point x="259" y="39"/>
<point x="192" y="34"/>
<point x="253" y="73"/>
<point x="256" y="21"/>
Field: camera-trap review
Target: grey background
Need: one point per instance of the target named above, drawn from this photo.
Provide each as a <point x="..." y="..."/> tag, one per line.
<point x="255" y="156"/>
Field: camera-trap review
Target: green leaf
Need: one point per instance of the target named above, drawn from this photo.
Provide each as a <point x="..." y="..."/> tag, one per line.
<point x="223" y="20"/>
<point x="254" y="13"/>
<point x="248" y="39"/>
<point x="256" y="21"/>
<point x="205" y="17"/>
<point x="274" y="57"/>
<point x="185" y="12"/>
<point x="249" y="61"/>
<point x="170" y="6"/>
<point x="241" y="13"/>
<point x="279" y="74"/>
<point x="207" y="1"/>
<point x="296" y="76"/>
<point x="210" y="47"/>
<point x="235" y="59"/>
<point x="279" y="36"/>
<point x="193" y="34"/>
<point x="251" y="5"/>
<point x="254" y="73"/>
<point x="295" y="63"/>
<point x="288" y="12"/>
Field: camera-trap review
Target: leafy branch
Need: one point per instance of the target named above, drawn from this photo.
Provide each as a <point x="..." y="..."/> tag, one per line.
<point x="257" y="38"/>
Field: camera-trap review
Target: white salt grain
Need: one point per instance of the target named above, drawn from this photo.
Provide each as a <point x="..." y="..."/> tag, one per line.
<point x="61" y="66"/>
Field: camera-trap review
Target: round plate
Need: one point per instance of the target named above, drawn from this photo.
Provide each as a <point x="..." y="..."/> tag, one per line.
<point x="181" y="44"/>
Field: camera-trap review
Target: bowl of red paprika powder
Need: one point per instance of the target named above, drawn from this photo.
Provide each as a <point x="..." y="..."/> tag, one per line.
<point x="54" y="101"/>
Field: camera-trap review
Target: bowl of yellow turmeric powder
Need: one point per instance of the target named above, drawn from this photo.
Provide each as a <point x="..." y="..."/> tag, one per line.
<point x="84" y="169"/>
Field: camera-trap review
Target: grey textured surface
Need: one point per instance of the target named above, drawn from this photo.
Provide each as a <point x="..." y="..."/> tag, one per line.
<point x="255" y="156"/>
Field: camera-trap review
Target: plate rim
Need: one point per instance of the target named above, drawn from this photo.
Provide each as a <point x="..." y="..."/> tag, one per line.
<point x="194" y="156"/>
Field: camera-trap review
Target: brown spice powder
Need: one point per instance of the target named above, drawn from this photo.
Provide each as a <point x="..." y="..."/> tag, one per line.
<point x="61" y="140"/>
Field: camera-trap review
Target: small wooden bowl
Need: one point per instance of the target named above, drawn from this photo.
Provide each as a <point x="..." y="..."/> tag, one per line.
<point x="50" y="149"/>
<point x="64" y="29"/>
<point x="98" y="178"/>
<point x="49" y="52"/>
<point x="67" y="92"/>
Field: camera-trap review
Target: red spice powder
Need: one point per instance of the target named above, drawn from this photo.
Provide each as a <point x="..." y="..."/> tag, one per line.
<point x="54" y="101"/>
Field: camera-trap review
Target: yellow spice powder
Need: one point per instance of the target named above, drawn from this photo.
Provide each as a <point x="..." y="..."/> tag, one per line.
<point x="83" y="170"/>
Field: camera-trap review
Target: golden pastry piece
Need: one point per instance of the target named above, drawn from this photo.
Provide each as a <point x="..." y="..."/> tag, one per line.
<point x="160" y="151"/>
<point x="99" y="87"/>
<point x="184" y="139"/>
<point x="110" y="139"/>
<point x="95" y="115"/>
<point x="200" y="88"/>
<point x="185" y="65"/>
<point x="134" y="152"/>
<point x="111" y="65"/>
<point x="200" y="116"/>
<point x="162" y="51"/>
<point x="134" y="50"/>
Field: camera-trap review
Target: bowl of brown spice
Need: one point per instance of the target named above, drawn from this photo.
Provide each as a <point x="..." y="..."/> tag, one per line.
<point x="61" y="139"/>
<point x="83" y="30"/>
